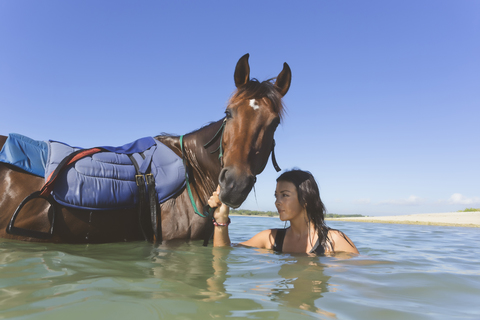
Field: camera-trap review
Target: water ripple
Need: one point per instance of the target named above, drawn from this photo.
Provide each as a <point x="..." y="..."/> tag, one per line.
<point x="402" y="272"/>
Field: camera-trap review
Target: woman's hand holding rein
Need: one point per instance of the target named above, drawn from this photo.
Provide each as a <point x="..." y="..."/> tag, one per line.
<point x="221" y="210"/>
<point x="221" y="220"/>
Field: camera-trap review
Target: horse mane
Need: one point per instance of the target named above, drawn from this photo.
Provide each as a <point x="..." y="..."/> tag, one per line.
<point x="173" y="135"/>
<point x="255" y="89"/>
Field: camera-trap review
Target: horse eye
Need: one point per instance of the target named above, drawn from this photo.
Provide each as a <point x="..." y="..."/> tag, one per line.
<point x="228" y="114"/>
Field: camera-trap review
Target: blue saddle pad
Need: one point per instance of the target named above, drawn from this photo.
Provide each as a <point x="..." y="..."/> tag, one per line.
<point x="106" y="180"/>
<point x="25" y="153"/>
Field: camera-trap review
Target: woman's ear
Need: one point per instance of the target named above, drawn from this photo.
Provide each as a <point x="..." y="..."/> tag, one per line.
<point x="305" y="207"/>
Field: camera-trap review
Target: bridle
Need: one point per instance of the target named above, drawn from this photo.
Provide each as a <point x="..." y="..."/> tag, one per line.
<point x="220" y="146"/>
<point x="207" y="211"/>
<point x="219" y="133"/>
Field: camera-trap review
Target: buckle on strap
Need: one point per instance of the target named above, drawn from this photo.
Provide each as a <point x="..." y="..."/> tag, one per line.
<point x="139" y="179"/>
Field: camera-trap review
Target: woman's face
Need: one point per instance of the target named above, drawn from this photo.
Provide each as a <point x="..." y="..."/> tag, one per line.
<point x="286" y="201"/>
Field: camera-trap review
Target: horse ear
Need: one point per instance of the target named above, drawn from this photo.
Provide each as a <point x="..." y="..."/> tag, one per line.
<point x="283" y="80"/>
<point x="242" y="71"/>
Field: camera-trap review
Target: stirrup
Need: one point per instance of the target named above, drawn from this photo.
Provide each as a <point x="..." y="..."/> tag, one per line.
<point x="11" y="229"/>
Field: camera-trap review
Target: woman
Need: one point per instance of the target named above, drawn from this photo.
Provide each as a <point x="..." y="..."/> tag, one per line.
<point x="298" y="201"/>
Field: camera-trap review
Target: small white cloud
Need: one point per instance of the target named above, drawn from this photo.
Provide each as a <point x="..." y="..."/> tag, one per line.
<point x="410" y="201"/>
<point x="458" y="198"/>
<point x="362" y="201"/>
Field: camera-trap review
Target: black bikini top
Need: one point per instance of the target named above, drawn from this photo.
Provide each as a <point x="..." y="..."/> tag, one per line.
<point x="280" y="236"/>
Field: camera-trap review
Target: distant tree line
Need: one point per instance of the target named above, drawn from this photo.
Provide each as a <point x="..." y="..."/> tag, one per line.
<point x="275" y="214"/>
<point x="335" y="215"/>
<point x="470" y="210"/>
<point x="254" y="213"/>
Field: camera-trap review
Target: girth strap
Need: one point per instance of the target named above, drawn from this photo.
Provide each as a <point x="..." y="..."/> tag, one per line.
<point x="146" y="182"/>
<point x="156" y="221"/>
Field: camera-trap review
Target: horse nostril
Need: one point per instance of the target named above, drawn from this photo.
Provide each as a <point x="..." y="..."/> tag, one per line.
<point x="221" y="177"/>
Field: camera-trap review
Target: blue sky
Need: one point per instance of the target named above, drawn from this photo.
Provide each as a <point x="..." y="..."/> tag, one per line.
<point x="383" y="108"/>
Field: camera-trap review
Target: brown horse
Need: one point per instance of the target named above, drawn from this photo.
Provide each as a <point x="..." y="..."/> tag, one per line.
<point x="252" y="115"/>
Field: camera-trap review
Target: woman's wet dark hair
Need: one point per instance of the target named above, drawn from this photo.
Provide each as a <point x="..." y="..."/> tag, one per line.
<point x="309" y="195"/>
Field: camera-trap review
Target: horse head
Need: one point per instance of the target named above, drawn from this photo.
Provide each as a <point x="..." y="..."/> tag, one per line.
<point x="252" y="116"/>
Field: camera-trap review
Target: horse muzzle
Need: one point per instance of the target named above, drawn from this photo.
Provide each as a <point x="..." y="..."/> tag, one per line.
<point x="235" y="186"/>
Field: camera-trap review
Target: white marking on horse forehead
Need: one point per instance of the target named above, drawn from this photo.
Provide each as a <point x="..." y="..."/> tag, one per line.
<point x="254" y="104"/>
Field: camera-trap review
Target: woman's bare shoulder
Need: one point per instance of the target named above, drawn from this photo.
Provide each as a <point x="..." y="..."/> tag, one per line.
<point x="263" y="239"/>
<point x="341" y="242"/>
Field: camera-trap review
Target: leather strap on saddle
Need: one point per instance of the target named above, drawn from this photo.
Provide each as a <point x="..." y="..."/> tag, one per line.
<point x="71" y="158"/>
<point x="146" y="183"/>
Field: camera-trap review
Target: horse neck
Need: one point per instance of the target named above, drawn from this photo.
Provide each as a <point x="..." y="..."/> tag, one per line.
<point x="204" y="165"/>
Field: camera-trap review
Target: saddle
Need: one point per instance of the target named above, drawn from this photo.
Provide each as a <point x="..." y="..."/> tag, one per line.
<point x="103" y="178"/>
<point x="107" y="178"/>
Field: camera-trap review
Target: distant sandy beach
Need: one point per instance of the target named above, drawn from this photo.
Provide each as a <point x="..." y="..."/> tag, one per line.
<point x="453" y="219"/>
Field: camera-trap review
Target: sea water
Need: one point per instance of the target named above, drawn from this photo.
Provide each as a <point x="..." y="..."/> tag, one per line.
<point x="402" y="272"/>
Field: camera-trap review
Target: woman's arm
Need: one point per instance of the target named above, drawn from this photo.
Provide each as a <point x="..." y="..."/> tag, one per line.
<point x="220" y="216"/>
<point x="221" y="238"/>
<point x="263" y="239"/>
